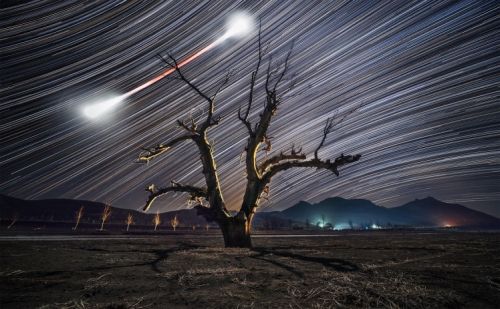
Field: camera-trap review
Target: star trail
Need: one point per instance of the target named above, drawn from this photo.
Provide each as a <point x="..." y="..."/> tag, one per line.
<point x="423" y="77"/>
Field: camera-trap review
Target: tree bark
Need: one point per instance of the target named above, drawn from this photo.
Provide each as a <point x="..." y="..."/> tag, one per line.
<point x="236" y="232"/>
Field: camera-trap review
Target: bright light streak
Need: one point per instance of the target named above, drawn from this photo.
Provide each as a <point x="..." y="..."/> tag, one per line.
<point x="97" y="110"/>
<point x="238" y="25"/>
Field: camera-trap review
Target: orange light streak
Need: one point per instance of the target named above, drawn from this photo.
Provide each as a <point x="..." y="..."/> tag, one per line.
<point x="179" y="65"/>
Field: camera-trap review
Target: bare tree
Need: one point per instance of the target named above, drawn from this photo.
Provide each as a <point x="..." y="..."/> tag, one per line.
<point x="157" y="220"/>
<point x="129" y="221"/>
<point x="14" y="220"/>
<point x="106" y="212"/>
<point x="209" y="199"/>
<point x="174" y="222"/>
<point x="78" y="216"/>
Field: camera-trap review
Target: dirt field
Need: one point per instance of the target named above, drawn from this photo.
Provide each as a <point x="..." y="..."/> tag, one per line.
<point x="376" y="269"/>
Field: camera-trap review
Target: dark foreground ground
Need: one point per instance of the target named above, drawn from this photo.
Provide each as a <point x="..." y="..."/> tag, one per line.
<point x="373" y="269"/>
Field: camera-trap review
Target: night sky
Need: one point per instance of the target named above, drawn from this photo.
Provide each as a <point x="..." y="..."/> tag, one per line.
<point x="422" y="75"/>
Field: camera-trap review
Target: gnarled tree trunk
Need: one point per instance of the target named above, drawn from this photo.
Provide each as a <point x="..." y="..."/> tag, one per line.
<point x="236" y="232"/>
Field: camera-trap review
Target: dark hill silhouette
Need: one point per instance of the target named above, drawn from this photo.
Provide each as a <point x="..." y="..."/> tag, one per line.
<point x="433" y="212"/>
<point x="428" y="212"/>
<point x="64" y="210"/>
<point x="337" y="210"/>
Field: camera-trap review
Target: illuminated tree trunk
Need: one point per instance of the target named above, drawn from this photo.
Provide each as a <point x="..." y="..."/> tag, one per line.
<point x="236" y="232"/>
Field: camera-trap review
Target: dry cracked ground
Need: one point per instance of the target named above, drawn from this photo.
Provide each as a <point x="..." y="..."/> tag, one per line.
<point x="358" y="270"/>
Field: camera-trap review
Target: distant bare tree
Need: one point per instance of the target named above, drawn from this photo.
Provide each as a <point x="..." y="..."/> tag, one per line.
<point x="78" y="216"/>
<point x="236" y="228"/>
<point x="157" y="220"/>
<point x="105" y="215"/>
<point x="14" y="220"/>
<point x="129" y="221"/>
<point x="174" y="222"/>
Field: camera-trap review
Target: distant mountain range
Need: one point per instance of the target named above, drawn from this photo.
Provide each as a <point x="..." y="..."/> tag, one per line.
<point x="336" y="212"/>
<point x="428" y="212"/>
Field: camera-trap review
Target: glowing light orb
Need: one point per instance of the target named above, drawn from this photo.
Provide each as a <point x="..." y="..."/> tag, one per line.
<point x="97" y="110"/>
<point x="238" y="25"/>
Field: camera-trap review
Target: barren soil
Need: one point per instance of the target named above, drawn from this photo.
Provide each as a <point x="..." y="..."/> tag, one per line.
<point x="366" y="269"/>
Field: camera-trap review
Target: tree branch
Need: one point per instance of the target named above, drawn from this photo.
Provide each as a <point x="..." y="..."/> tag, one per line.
<point x="175" y="187"/>
<point x="224" y="82"/>
<point x="269" y="73"/>
<point x="210" y="121"/>
<point x="151" y="153"/>
<point x="187" y="81"/>
<point x="258" y="136"/>
<point x="326" y="130"/>
<point x="244" y="118"/>
<point x="331" y="166"/>
<point x="199" y="135"/>
<point x="284" y="69"/>
<point x="329" y="125"/>
<point x="272" y="101"/>
<point x="245" y="121"/>
<point x="192" y="128"/>
<point x="293" y="155"/>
